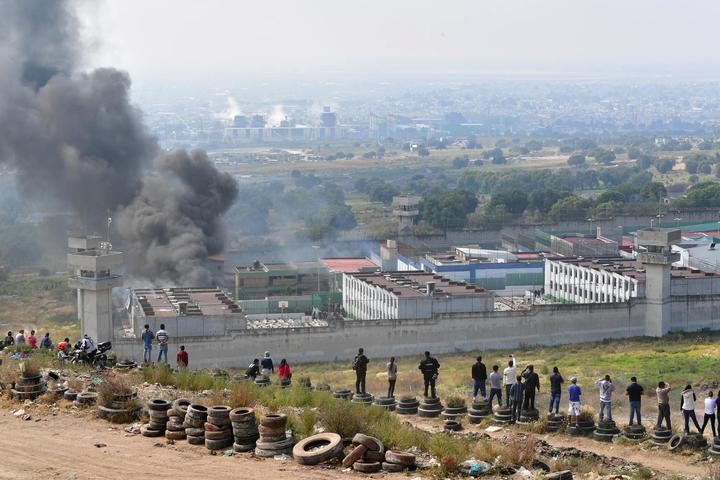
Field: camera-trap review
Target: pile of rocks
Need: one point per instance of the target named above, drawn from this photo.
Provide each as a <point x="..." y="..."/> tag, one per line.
<point x="273" y="436"/>
<point x="364" y="398"/>
<point x="430" y="407"/>
<point x="388" y="403"/>
<point x="605" y="431"/>
<point x="194" y="424"/>
<point x="175" y="428"/>
<point x="218" y="431"/>
<point x="408" y="405"/>
<point x="479" y="410"/>
<point x="158" y="412"/>
<point x="85" y="399"/>
<point x="245" y="429"/>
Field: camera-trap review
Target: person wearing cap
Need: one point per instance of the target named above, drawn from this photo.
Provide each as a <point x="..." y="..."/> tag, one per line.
<point x="266" y="365"/>
<point x="574" y="406"/>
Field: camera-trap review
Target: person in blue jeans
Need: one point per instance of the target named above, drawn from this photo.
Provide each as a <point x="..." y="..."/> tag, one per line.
<point x="162" y="339"/>
<point x="556" y="381"/>
<point x="479" y="375"/>
<point x="606" y="389"/>
<point x="634" y="391"/>
<point x="495" y="386"/>
<point x="147" y="337"/>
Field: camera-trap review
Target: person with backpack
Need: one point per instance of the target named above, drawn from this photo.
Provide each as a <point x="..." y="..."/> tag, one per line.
<point x="392" y="377"/>
<point x="606" y="389"/>
<point x="147" y="337"/>
<point x="360" y="364"/>
<point x="429" y="367"/>
<point x="556" y="381"/>
<point x="635" y="391"/>
<point x="163" y="339"/>
<point x="479" y="376"/>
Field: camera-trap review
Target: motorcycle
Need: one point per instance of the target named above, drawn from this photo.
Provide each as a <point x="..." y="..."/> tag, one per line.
<point x="97" y="360"/>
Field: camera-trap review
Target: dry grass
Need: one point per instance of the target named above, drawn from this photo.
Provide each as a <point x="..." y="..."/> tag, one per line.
<point x="455" y="401"/>
<point x="242" y="395"/>
<point x="521" y="452"/>
<point x="29" y="367"/>
<point x="587" y="414"/>
<point x="713" y="471"/>
<point x="75" y="384"/>
<point x="578" y="465"/>
<point x="113" y="385"/>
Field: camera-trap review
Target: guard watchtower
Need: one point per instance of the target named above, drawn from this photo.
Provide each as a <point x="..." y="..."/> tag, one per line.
<point x="93" y="269"/>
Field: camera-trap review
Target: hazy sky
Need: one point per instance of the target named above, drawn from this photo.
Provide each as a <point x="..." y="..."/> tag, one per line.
<point x="165" y="37"/>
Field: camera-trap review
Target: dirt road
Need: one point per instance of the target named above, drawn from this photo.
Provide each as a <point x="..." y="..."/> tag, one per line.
<point x="63" y="447"/>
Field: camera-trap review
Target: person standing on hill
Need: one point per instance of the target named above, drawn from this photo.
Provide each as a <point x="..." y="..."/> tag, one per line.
<point x="710" y="405"/>
<point x="574" y="406"/>
<point x="163" y="339"/>
<point x="479" y="375"/>
<point x="147" y="337"/>
<point x="429" y="367"/>
<point x="392" y="377"/>
<point x="687" y="405"/>
<point x="532" y="383"/>
<point x="663" y="398"/>
<point x="556" y="381"/>
<point x="606" y="388"/>
<point x="635" y="391"/>
<point x="509" y="375"/>
<point x="495" y="386"/>
<point x="516" y="392"/>
<point x="360" y="364"/>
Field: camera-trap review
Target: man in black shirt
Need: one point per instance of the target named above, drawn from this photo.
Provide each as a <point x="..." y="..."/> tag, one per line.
<point x="479" y="375"/>
<point x="532" y="382"/>
<point x="634" y="391"/>
<point x="360" y="366"/>
<point x="429" y="367"/>
<point x="556" y="381"/>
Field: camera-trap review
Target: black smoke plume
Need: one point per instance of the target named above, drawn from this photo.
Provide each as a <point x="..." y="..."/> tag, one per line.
<point x="74" y="138"/>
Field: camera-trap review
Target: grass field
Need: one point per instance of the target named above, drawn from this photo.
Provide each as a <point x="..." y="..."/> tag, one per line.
<point x="678" y="359"/>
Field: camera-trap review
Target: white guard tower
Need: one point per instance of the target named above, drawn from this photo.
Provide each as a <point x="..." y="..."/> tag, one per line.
<point x="91" y="264"/>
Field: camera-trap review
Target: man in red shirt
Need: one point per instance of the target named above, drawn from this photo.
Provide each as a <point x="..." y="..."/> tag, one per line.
<point x="182" y="357"/>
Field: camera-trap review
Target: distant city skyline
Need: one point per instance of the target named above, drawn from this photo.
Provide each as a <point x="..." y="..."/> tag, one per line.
<point x="167" y="38"/>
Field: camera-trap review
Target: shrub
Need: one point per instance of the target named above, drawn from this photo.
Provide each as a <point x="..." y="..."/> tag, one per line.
<point x="344" y="418"/>
<point x="455" y="401"/>
<point x="521" y="452"/>
<point x="113" y="385"/>
<point x="303" y="423"/>
<point x="587" y="414"/>
<point x="242" y="395"/>
<point x="29" y="368"/>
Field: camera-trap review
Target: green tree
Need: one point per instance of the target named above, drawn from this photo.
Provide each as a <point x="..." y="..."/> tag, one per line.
<point x="605" y="157"/>
<point x="611" y="196"/>
<point x="382" y="192"/>
<point x="570" y="208"/>
<point x="664" y="165"/>
<point x="515" y="201"/>
<point x="653" y="191"/>
<point x="449" y="209"/>
<point x="703" y="194"/>
<point x="577" y="160"/>
<point x="461" y="162"/>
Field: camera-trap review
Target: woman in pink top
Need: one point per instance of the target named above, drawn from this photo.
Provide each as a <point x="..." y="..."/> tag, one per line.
<point x="32" y="340"/>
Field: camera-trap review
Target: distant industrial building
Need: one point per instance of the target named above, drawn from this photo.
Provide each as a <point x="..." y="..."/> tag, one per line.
<point x="410" y="295"/>
<point x="255" y="130"/>
<point x="576" y="244"/>
<point x="593" y="281"/>
<point x="261" y="280"/>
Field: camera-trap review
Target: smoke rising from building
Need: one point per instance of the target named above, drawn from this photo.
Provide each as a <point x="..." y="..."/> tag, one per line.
<point x="74" y="137"/>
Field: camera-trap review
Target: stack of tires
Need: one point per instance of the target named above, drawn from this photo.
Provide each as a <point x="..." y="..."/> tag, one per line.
<point x="453" y="413"/>
<point x="85" y="399"/>
<point x="262" y="381"/>
<point x="273" y="437"/>
<point x="502" y="415"/>
<point x="408" y="405"/>
<point x="430" y="408"/>
<point x="528" y="416"/>
<point x="245" y="429"/>
<point x="364" y="398"/>
<point x="581" y="427"/>
<point x="123" y="408"/>
<point x="218" y="431"/>
<point x="366" y="454"/>
<point x="554" y="422"/>
<point x="318" y="448"/>
<point x="194" y="424"/>
<point x="388" y="403"/>
<point x="661" y="436"/>
<point x="396" y="461"/>
<point x="28" y="387"/>
<point x="480" y="409"/>
<point x="605" y="431"/>
<point x="634" y="432"/>
<point x="715" y="447"/>
<point x="343" y="394"/>
<point x="158" y="412"/>
<point x="695" y="441"/>
<point x="175" y="429"/>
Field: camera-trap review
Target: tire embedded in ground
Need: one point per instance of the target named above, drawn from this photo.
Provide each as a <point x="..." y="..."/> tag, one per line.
<point x="634" y="432"/>
<point x="366" y="467"/>
<point x="408" y="405"/>
<point x="452" y="426"/>
<point x="279" y="443"/>
<point x="502" y="415"/>
<point x="363" y="398"/>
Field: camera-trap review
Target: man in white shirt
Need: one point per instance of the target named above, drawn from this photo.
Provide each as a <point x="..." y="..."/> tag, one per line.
<point x="606" y="388"/>
<point x="509" y="377"/>
<point x="710" y="404"/>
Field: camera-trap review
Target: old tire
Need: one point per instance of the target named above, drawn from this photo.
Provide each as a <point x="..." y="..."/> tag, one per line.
<point x="371" y="443"/>
<point x="195" y="440"/>
<point x="149" y="432"/>
<point x="195" y="432"/>
<point x="354" y="455"/>
<point x="676" y="442"/>
<point x="284" y="444"/>
<point x="400" y="458"/>
<point x="393" y="467"/>
<point x="243" y="447"/>
<point x="197" y="411"/>
<point x="211" y="427"/>
<point x="181" y="406"/>
<point x="159" y="404"/>
<point x="274" y="420"/>
<point x="219" y="411"/>
<point x="242" y="415"/>
<point x="330" y="447"/>
<point x="218" y="444"/>
<point x="179" y="435"/>
<point x="366" y="467"/>
<point x="218" y="435"/>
